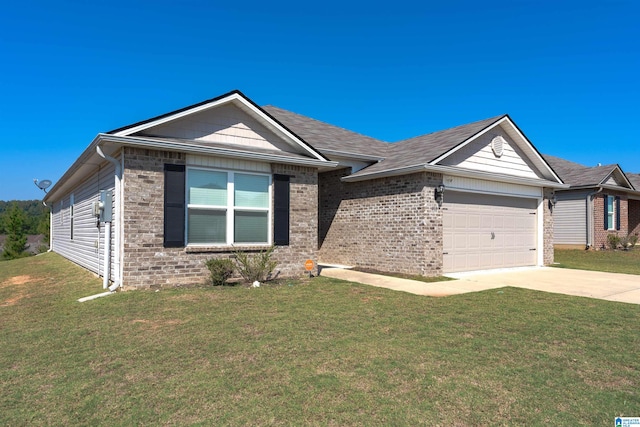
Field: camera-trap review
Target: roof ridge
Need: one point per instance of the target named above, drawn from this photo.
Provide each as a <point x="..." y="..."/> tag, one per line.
<point x="613" y="165"/>
<point x="490" y="119"/>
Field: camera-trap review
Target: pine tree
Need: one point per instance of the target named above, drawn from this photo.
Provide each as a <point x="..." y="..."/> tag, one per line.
<point x="14" y="223"/>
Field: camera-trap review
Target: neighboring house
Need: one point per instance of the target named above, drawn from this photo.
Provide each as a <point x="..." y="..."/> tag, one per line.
<point x="226" y="175"/>
<point x="601" y="200"/>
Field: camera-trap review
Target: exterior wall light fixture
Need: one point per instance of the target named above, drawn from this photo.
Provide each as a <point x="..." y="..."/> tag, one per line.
<point x="439" y="194"/>
<point x="552" y="201"/>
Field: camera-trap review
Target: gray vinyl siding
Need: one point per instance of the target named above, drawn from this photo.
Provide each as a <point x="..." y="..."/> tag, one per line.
<point x="87" y="246"/>
<point x="570" y="218"/>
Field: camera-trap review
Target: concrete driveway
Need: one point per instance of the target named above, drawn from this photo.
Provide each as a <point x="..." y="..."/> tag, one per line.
<point x="592" y="284"/>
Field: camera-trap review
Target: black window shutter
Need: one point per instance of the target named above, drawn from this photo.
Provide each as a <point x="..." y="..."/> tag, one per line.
<point x="281" y="209"/>
<point x="606" y="212"/>
<point x="174" y="197"/>
<point x="617" y="213"/>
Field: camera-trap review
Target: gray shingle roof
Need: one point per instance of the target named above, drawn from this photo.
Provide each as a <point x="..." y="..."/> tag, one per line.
<point x="576" y="174"/>
<point x="323" y="136"/>
<point x="409" y="152"/>
<point x="426" y="148"/>
<point x="635" y="180"/>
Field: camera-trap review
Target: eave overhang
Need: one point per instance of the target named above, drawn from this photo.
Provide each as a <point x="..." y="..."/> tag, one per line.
<point x="450" y="170"/>
<point x="631" y="194"/>
<point x="89" y="160"/>
<point x="351" y="156"/>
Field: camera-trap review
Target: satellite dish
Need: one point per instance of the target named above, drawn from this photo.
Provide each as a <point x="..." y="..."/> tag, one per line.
<point x="43" y="185"/>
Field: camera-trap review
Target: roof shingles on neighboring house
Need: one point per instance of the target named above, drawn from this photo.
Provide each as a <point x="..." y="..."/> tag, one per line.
<point x="577" y="175"/>
<point x="634" y="178"/>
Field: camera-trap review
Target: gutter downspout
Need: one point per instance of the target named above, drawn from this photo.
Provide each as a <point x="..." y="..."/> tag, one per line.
<point x="118" y="180"/>
<point x="590" y="220"/>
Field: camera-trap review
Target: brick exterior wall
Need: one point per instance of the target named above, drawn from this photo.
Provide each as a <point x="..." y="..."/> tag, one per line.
<point x="389" y="224"/>
<point x="600" y="234"/>
<point x="146" y="263"/>
<point x="547" y="220"/>
<point x="634" y="216"/>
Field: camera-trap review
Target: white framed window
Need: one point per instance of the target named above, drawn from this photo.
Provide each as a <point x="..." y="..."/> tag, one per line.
<point x="611" y="213"/>
<point x="227" y="207"/>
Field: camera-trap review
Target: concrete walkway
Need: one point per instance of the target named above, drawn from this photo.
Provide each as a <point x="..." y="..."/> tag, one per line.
<point x="592" y="284"/>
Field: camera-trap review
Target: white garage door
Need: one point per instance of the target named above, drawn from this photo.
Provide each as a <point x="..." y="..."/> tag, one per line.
<point x="485" y="231"/>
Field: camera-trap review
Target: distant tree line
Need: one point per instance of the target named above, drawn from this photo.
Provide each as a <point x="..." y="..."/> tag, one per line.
<point x="19" y="218"/>
<point x="36" y="216"/>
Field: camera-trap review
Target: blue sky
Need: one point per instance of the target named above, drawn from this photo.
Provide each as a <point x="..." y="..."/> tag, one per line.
<point x="567" y="72"/>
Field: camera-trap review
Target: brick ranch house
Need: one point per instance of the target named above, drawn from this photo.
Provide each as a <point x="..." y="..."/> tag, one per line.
<point x="149" y="203"/>
<point x="600" y="200"/>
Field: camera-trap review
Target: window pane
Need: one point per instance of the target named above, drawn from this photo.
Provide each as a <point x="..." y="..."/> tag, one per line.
<point x="251" y="227"/>
<point x="207" y="226"/>
<point x="610" y="200"/>
<point x="207" y="188"/>
<point x="251" y="191"/>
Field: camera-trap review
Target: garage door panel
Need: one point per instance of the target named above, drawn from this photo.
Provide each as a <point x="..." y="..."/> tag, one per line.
<point x="484" y="231"/>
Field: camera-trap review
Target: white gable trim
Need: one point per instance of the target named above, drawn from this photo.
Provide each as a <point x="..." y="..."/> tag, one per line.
<point x="466" y="142"/>
<point x="242" y="103"/>
<point x="620" y="174"/>
<point x="526" y="146"/>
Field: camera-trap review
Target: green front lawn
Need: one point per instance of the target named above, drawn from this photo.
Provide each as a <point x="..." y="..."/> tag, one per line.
<point x="605" y="260"/>
<point x="324" y="352"/>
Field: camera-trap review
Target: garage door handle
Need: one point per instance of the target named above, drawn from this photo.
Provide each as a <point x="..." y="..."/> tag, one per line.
<point x="532" y="249"/>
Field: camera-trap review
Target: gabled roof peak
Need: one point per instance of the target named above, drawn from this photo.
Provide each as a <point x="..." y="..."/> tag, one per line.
<point x="578" y="175"/>
<point x="178" y="111"/>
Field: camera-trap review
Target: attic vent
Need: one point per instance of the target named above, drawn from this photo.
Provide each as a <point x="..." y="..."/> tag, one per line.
<point x="497" y="143"/>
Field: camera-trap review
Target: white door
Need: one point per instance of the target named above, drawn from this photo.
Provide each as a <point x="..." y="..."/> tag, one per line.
<point x="487" y="231"/>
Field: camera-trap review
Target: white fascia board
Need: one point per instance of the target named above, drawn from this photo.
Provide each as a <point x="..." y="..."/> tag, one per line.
<point x="450" y="170"/>
<point x="244" y="105"/>
<point x="619" y="170"/>
<point x="531" y="150"/>
<point x="134" y="141"/>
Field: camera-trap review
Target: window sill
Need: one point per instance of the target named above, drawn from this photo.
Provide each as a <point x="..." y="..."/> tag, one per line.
<point x="223" y="249"/>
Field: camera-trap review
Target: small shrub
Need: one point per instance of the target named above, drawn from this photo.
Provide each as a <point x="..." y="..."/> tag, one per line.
<point x="632" y="240"/>
<point x="613" y="240"/>
<point x="624" y="242"/>
<point x="221" y="270"/>
<point x="257" y="267"/>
